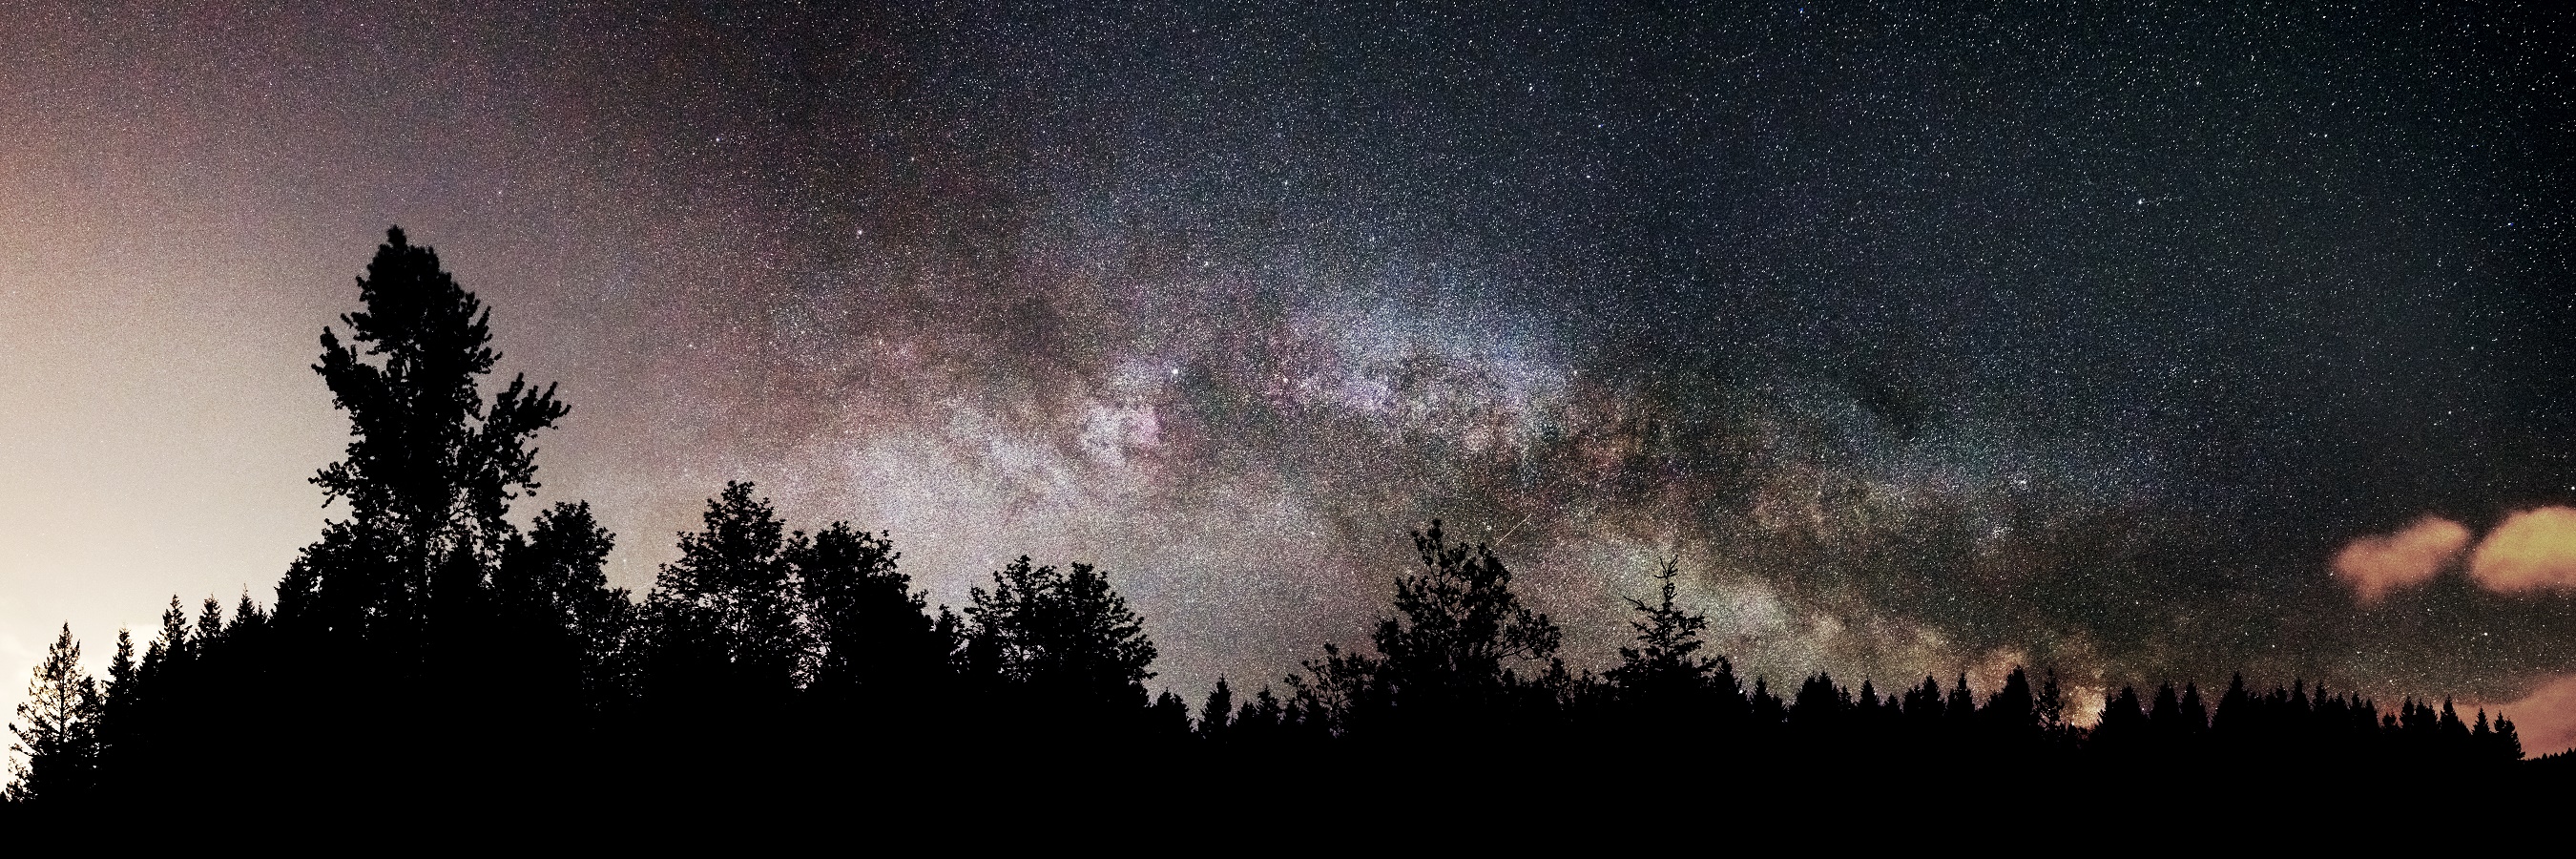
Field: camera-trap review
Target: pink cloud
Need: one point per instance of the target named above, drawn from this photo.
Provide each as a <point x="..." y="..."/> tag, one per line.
<point x="2377" y="564"/>
<point x="2534" y="549"/>
<point x="2545" y="719"/>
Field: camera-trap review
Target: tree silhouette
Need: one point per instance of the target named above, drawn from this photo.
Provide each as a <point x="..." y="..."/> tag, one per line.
<point x="1924" y="707"/>
<point x="558" y="573"/>
<point x="1061" y="636"/>
<point x="2164" y="718"/>
<point x="431" y="466"/>
<point x="2050" y="707"/>
<point x="563" y="629"/>
<point x="1960" y="710"/>
<point x="1819" y="708"/>
<point x="1216" y="716"/>
<point x="121" y="668"/>
<point x="2504" y="745"/>
<point x="873" y="634"/>
<point x="2122" y="727"/>
<point x="56" y="729"/>
<point x="2012" y="716"/>
<point x="1663" y="666"/>
<point x="1445" y="658"/>
<point x="724" y="615"/>
<point x="1169" y="718"/>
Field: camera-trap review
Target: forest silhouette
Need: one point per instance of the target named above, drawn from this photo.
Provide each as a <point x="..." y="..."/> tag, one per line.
<point x="427" y="646"/>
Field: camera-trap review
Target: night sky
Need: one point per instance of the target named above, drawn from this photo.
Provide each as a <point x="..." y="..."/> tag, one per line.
<point x="2144" y="341"/>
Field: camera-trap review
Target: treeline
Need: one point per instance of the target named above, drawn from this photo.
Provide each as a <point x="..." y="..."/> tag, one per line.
<point x="429" y="642"/>
<point x="1447" y="669"/>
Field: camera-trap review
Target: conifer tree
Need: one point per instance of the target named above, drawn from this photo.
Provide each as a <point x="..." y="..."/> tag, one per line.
<point x="170" y="648"/>
<point x="1923" y="706"/>
<point x="1170" y="718"/>
<point x="210" y="622"/>
<point x="2050" y="706"/>
<point x="121" y="667"/>
<point x="2454" y="733"/>
<point x="1663" y="666"/>
<point x="2507" y="746"/>
<point x="1217" y="715"/>
<point x="1767" y="709"/>
<point x="2235" y="711"/>
<point x="1961" y="708"/>
<point x="2013" y="712"/>
<point x="2123" y="721"/>
<point x="1259" y="721"/>
<point x="56" y="752"/>
<point x="2164" y="717"/>
<point x="1818" y="706"/>
<point x="1726" y="695"/>
<point x="1866" y="710"/>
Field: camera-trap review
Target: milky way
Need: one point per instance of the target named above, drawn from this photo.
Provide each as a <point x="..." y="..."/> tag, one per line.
<point x="1925" y="337"/>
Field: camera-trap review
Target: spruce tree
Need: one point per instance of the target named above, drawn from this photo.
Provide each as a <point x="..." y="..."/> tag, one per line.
<point x="1217" y="714"/>
<point x="1663" y="668"/>
<point x="2507" y="745"/>
<point x="2164" y="717"/>
<point x="2235" y="715"/>
<point x="1819" y="706"/>
<point x="56" y="729"/>
<point x="2012" y="714"/>
<point x="170" y="649"/>
<point x="1767" y="710"/>
<point x="2123" y="723"/>
<point x="1259" y="721"/>
<point x="1923" y="706"/>
<point x="1961" y="708"/>
<point x="121" y="668"/>
<point x="2050" y="706"/>
<point x="1170" y="717"/>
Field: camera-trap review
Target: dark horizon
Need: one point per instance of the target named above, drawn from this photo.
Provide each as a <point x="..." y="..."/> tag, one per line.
<point x="2147" y="345"/>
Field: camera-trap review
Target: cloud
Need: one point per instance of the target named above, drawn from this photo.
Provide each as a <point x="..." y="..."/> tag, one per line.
<point x="2374" y="565"/>
<point x="2532" y="550"/>
<point x="2544" y="719"/>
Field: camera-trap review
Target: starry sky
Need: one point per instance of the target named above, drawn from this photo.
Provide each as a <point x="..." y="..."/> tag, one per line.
<point x="2146" y="341"/>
